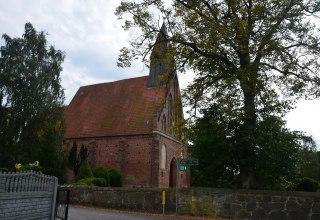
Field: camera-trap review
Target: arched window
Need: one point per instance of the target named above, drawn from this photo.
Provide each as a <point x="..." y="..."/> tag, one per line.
<point x="164" y="123"/>
<point x="170" y="110"/>
<point x="163" y="157"/>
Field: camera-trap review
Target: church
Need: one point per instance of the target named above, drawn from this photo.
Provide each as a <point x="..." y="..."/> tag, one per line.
<point x="132" y="124"/>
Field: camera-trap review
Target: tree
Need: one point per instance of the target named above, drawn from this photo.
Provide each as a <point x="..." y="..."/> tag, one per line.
<point x="31" y="100"/>
<point x="252" y="58"/>
<point x="281" y="155"/>
<point x="210" y="142"/>
<point x="49" y="150"/>
<point x="72" y="160"/>
<point x="75" y="160"/>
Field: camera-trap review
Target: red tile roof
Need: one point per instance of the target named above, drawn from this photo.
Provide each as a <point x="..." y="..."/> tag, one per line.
<point x="123" y="107"/>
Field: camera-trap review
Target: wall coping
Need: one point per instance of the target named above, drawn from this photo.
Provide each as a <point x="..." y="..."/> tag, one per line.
<point x="203" y="189"/>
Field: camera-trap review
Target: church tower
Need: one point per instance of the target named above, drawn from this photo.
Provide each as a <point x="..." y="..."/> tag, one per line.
<point x="161" y="61"/>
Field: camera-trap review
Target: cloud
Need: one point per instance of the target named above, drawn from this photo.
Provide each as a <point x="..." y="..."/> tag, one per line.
<point x="91" y="36"/>
<point x="306" y="118"/>
<point x="88" y="32"/>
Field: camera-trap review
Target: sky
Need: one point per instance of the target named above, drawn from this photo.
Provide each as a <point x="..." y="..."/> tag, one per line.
<point x="91" y="36"/>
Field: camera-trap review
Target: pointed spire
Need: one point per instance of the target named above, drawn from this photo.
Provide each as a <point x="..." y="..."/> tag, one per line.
<point x="163" y="29"/>
<point x="158" y="59"/>
<point x="162" y="33"/>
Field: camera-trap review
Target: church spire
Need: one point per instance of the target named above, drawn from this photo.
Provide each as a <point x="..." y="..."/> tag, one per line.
<point x="159" y="59"/>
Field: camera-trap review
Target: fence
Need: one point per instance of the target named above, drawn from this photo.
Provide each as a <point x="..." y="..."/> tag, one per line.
<point x="27" y="195"/>
<point x="62" y="205"/>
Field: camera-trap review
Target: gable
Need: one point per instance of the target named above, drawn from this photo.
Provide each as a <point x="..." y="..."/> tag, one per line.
<point x="124" y="107"/>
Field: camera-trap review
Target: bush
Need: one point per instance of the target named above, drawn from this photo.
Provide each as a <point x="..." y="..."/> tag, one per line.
<point x="4" y="170"/>
<point x="84" y="171"/>
<point x="115" y="178"/>
<point x="305" y="184"/>
<point x="92" y="181"/>
<point x="101" y="172"/>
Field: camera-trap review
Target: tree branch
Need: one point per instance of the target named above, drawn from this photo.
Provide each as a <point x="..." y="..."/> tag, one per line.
<point x="286" y="72"/>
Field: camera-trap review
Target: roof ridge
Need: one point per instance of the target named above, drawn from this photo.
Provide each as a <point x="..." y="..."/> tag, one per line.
<point x="120" y="80"/>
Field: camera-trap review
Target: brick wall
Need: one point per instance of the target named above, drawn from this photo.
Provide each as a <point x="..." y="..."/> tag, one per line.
<point x="129" y="154"/>
<point x="137" y="157"/>
<point x="174" y="150"/>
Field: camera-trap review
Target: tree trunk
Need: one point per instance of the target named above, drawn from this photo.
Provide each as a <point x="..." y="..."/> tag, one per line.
<point x="247" y="156"/>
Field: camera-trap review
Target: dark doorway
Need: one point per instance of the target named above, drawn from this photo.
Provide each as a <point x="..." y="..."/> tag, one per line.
<point x="173" y="173"/>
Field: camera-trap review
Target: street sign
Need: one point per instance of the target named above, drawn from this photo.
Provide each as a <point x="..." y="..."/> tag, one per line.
<point x="189" y="161"/>
<point x="183" y="168"/>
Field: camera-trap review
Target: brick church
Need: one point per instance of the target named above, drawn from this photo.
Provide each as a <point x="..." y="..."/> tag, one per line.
<point x="131" y="124"/>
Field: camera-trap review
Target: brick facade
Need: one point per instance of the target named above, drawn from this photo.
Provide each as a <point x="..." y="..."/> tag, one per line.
<point x="137" y="158"/>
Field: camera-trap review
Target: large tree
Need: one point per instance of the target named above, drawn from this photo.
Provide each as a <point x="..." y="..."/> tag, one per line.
<point x="281" y="155"/>
<point x="31" y="100"/>
<point x="253" y="58"/>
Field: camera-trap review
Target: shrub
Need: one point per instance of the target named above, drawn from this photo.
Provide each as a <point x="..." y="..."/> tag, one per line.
<point x="84" y="171"/>
<point x="304" y="184"/>
<point x="92" y="181"/>
<point x="4" y="170"/>
<point x="101" y="172"/>
<point x="115" y="178"/>
<point x="307" y="184"/>
<point x="28" y="167"/>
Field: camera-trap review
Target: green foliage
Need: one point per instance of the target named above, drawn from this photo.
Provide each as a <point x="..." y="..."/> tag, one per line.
<point x="72" y="159"/>
<point x="101" y="172"/>
<point x="31" y="102"/>
<point x="115" y="178"/>
<point x="84" y="171"/>
<point x="102" y="177"/>
<point x="83" y="154"/>
<point x="75" y="160"/>
<point x="30" y="166"/>
<point x="92" y="181"/>
<point x="4" y="170"/>
<point x="318" y="156"/>
<point x="52" y="156"/>
<point x="277" y="153"/>
<point x="252" y="59"/>
<point x="215" y="151"/>
<point x="304" y="184"/>
<point x="309" y="164"/>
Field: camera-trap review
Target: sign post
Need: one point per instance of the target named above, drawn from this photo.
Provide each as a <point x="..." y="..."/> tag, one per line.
<point x="182" y="166"/>
<point x="163" y="201"/>
<point x="177" y="185"/>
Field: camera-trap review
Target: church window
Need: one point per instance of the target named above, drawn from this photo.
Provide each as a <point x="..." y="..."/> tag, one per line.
<point x="171" y="115"/>
<point x="164" y="123"/>
<point x="163" y="157"/>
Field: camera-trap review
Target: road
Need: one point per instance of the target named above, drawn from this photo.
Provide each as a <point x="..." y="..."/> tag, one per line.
<point x="84" y="213"/>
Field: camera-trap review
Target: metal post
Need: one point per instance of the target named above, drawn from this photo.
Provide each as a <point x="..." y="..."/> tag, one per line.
<point x="163" y="201"/>
<point x="177" y="186"/>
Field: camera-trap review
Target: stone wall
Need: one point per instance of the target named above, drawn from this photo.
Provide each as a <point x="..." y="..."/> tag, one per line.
<point x="250" y="204"/>
<point x="232" y="204"/>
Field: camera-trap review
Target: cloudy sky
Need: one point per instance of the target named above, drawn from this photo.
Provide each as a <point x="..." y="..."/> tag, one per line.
<point x="91" y="36"/>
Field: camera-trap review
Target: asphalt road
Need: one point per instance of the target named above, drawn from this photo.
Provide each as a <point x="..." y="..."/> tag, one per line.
<point x="84" y="213"/>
